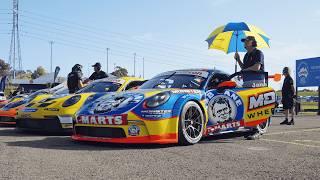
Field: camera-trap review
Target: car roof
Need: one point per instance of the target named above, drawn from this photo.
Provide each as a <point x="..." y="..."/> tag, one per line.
<point x="210" y="71"/>
<point x="120" y="79"/>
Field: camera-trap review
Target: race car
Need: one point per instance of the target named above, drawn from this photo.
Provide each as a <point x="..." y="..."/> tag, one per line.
<point x="56" y="114"/>
<point x="9" y="111"/>
<point x="179" y="106"/>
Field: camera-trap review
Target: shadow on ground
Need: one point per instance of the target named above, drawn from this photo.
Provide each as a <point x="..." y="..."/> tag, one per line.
<point x="65" y="142"/>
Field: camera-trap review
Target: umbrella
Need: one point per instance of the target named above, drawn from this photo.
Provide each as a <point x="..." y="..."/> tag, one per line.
<point x="228" y="37"/>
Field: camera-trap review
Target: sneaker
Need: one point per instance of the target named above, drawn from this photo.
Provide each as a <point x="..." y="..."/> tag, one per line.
<point x="254" y="136"/>
<point x="285" y="122"/>
<point x="291" y="122"/>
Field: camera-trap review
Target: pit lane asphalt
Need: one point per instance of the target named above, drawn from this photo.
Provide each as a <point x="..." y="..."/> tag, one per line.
<point x="286" y="152"/>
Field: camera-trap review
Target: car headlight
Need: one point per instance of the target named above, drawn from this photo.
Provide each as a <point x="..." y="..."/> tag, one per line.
<point x="157" y="99"/>
<point x="71" y="101"/>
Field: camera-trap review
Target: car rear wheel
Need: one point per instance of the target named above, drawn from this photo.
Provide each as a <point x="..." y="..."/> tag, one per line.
<point x="263" y="127"/>
<point x="191" y="124"/>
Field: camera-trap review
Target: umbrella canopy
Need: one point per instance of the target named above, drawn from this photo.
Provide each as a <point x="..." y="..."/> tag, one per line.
<point x="228" y="37"/>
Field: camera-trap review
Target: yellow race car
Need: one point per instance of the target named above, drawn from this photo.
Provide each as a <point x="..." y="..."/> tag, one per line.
<point x="8" y="112"/>
<point x="56" y="114"/>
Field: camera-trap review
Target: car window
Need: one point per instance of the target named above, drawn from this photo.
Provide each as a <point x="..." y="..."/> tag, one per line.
<point x="62" y="91"/>
<point x="216" y="79"/>
<point x="100" y="87"/>
<point x="134" y="84"/>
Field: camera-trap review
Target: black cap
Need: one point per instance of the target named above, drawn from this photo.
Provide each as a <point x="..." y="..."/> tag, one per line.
<point x="248" y="38"/>
<point x="97" y="65"/>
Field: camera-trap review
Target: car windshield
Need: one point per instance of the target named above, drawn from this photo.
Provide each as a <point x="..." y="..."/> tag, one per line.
<point x="100" y="87"/>
<point x="62" y="91"/>
<point x="182" y="81"/>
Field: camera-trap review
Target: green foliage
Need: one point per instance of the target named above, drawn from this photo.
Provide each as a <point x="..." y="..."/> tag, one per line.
<point x="40" y="71"/>
<point x="4" y="68"/>
<point x="120" y="72"/>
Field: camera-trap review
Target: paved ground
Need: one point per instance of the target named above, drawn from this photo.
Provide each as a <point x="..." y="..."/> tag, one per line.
<point x="286" y="152"/>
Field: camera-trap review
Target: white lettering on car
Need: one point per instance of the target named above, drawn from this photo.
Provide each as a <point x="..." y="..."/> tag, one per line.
<point x="102" y="120"/>
<point x="262" y="100"/>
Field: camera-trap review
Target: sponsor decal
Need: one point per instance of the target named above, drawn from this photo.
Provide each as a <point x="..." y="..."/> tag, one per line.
<point x="116" y="102"/>
<point x="25" y="115"/>
<point x="261" y="100"/>
<point x="224" y="126"/>
<point x="258" y="105"/>
<point x="303" y="72"/>
<point x="186" y="91"/>
<point x="222" y="108"/>
<point x="29" y="110"/>
<point x="103" y="120"/>
<point x="51" y="109"/>
<point x="259" y="114"/>
<point x="134" y="130"/>
<point x="157" y="111"/>
<point x="204" y="74"/>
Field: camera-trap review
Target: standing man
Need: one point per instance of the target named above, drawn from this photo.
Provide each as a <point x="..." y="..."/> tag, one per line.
<point x="97" y="74"/>
<point x="253" y="61"/>
<point x="288" y="94"/>
<point x="75" y="79"/>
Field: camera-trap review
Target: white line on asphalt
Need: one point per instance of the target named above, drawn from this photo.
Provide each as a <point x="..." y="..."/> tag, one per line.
<point x="288" y="142"/>
<point x="312" y="141"/>
<point x="286" y="132"/>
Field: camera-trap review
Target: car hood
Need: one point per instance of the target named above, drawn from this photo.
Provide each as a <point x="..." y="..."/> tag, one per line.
<point x="119" y="103"/>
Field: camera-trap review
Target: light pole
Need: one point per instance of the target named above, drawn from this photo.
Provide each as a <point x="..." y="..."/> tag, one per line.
<point x="143" y="67"/>
<point x="134" y="64"/>
<point x="51" y="43"/>
<point x="108" y="60"/>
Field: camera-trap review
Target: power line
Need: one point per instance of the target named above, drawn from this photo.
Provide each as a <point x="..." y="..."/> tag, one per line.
<point x="95" y="50"/>
<point x="80" y="37"/>
<point x="110" y="41"/>
<point x="101" y="48"/>
<point x="120" y="35"/>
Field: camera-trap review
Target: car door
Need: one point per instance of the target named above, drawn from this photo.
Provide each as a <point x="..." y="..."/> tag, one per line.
<point x="230" y="108"/>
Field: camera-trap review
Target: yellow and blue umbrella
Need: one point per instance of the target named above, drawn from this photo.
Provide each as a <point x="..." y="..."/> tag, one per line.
<point x="228" y="37"/>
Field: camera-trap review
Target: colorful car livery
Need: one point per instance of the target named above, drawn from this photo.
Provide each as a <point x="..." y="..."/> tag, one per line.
<point x="56" y="113"/>
<point x="176" y="107"/>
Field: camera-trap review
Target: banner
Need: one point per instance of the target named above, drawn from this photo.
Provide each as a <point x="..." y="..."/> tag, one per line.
<point x="308" y="72"/>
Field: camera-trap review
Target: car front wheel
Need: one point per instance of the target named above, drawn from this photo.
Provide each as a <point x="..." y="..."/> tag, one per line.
<point x="191" y="124"/>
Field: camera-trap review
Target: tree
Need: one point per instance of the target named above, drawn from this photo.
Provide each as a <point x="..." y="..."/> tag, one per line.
<point x="120" y="72"/>
<point x="4" y="68"/>
<point x="40" y="71"/>
<point x="24" y="74"/>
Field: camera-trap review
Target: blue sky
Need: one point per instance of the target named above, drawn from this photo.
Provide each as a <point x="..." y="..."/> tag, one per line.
<point x="168" y="34"/>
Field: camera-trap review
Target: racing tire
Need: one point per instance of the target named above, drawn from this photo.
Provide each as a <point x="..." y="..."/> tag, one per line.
<point x="259" y="130"/>
<point x="191" y="124"/>
<point x="263" y="127"/>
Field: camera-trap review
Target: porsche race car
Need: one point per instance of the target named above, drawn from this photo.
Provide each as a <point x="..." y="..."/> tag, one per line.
<point x="9" y="111"/>
<point x="55" y="114"/>
<point x="179" y="106"/>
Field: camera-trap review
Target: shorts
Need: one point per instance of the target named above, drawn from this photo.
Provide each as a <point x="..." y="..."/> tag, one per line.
<point x="287" y="103"/>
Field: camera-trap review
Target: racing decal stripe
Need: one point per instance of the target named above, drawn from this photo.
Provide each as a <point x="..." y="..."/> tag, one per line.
<point x="144" y="119"/>
<point x="7" y="123"/>
<point x="161" y="139"/>
<point x="255" y="123"/>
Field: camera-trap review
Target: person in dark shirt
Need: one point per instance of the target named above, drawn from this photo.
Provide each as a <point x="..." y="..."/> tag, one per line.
<point x="253" y="61"/>
<point x="97" y="74"/>
<point x="288" y="94"/>
<point x="74" y="81"/>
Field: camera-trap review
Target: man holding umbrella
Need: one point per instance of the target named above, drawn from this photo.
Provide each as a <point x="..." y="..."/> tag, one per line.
<point x="254" y="59"/>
